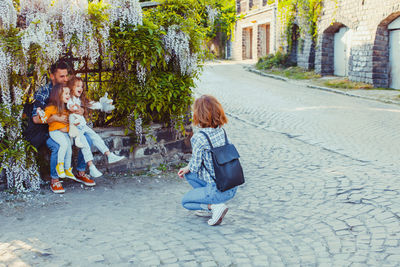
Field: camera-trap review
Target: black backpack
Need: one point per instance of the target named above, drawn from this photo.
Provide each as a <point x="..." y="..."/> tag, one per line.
<point x="227" y="168"/>
<point x="36" y="134"/>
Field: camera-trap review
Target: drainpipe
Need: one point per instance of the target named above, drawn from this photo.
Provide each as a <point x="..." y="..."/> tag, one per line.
<point x="275" y="26"/>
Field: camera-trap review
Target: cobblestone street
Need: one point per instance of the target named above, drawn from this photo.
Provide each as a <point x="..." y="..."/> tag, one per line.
<point x="322" y="189"/>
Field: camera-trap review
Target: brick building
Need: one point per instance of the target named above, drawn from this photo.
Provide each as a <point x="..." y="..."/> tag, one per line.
<point x="360" y="39"/>
<point x="255" y="35"/>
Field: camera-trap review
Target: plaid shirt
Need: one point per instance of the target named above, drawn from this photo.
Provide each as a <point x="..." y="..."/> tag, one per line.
<point x="201" y="152"/>
<point x="41" y="97"/>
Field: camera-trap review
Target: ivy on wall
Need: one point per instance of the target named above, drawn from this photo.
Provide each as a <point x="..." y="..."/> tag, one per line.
<point x="304" y="13"/>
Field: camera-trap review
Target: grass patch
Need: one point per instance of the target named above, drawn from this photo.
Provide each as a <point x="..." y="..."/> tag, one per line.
<point x="347" y="84"/>
<point x="295" y="73"/>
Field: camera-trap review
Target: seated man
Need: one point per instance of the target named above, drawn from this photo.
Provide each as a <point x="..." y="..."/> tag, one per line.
<point x="59" y="74"/>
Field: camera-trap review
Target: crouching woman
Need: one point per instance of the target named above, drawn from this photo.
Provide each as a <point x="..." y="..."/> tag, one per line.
<point x="205" y="198"/>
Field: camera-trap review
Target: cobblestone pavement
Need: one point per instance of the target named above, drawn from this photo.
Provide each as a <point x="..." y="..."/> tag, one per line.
<point x="322" y="189"/>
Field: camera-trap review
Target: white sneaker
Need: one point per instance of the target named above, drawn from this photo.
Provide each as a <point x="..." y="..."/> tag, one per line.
<point x="112" y="158"/>
<point x="78" y="142"/>
<point x="94" y="172"/>
<point x="203" y="213"/>
<point x="218" y="213"/>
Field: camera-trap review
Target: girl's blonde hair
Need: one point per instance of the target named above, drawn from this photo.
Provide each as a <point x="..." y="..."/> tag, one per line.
<point x="208" y="112"/>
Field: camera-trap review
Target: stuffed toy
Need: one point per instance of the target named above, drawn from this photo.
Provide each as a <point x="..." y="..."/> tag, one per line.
<point x="104" y="104"/>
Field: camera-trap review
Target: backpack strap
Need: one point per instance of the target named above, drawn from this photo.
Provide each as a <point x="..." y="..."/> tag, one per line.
<point x="202" y="162"/>
<point x="208" y="139"/>
<point x="226" y="138"/>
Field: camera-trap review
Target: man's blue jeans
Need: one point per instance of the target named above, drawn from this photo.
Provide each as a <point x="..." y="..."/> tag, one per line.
<point x="53" y="146"/>
<point x="204" y="193"/>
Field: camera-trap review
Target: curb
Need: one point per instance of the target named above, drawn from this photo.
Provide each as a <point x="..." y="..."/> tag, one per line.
<point x="266" y="74"/>
<point x="387" y="101"/>
<point x="250" y="69"/>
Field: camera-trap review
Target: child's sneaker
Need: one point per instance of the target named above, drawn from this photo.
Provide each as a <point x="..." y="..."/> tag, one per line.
<point x="94" y="172"/>
<point x="69" y="174"/>
<point x="57" y="187"/>
<point x="60" y="170"/>
<point x="85" y="179"/>
<point x="218" y="213"/>
<point x="112" y="158"/>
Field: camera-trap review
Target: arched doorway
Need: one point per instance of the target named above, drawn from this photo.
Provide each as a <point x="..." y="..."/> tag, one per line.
<point x="385" y="51"/>
<point x="394" y="54"/>
<point x="341" y="50"/>
<point x="334" y="46"/>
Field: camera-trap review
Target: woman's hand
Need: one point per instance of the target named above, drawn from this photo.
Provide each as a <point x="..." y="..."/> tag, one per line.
<point x="183" y="171"/>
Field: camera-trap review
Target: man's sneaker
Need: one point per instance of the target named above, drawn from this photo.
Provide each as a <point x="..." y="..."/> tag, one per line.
<point x="57" y="187"/>
<point x="94" y="172"/>
<point x="60" y="170"/>
<point x="218" y="213"/>
<point x="203" y="213"/>
<point x="69" y="174"/>
<point x="112" y="158"/>
<point x="84" y="179"/>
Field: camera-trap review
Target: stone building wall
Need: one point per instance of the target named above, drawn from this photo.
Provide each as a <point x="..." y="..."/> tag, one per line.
<point x="306" y="53"/>
<point x="259" y="19"/>
<point x="369" y="46"/>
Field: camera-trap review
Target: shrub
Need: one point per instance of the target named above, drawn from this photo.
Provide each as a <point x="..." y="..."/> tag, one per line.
<point x="151" y="59"/>
<point x="277" y="60"/>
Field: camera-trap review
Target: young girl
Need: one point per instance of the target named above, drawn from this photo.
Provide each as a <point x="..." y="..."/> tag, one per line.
<point x="209" y="115"/>
<point x="58" y="131"/>
<point x="78" y="99"/>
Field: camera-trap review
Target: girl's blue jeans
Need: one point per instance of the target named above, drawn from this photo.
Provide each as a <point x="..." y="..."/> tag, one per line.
<point x="53" y="146"/>
<point x="204" y="193"/>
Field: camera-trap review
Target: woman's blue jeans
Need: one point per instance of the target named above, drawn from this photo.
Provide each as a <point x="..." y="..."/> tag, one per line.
<point x="204" y="193"/>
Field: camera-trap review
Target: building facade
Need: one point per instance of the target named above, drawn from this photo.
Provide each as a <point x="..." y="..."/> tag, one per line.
<point x="255" y="34"/>
<point x="360" y="39"/>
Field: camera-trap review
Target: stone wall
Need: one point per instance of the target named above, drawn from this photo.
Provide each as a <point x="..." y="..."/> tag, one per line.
<point x="158" y="146"/>
<point x="306" y="53"/>
<point x="257" y="17"/>
<point x="368" y="21"/>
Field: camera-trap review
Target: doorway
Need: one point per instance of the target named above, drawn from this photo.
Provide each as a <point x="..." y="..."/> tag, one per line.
<point x="394" y="53"/>
<point x="247" y="43"/>
<point x="342" y="42"/>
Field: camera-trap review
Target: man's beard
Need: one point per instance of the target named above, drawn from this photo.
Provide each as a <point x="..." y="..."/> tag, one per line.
<point x="62" y="83"/>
